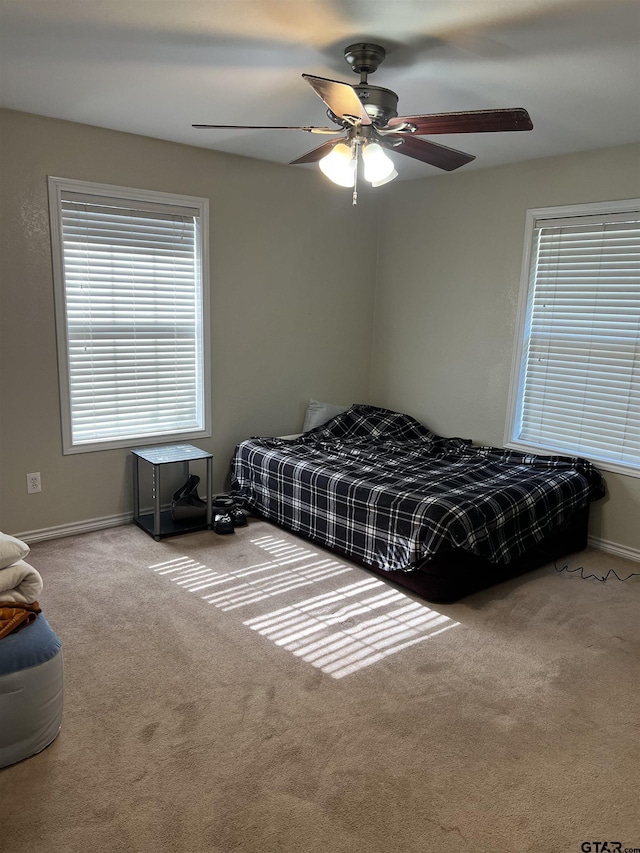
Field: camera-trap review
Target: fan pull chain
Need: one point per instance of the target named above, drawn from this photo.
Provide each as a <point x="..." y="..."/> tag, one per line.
<point x="355" y="176"/>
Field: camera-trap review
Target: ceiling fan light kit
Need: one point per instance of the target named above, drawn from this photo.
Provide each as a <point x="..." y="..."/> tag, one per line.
<point x="341" y="164"/>
<point x="367" y="116"/>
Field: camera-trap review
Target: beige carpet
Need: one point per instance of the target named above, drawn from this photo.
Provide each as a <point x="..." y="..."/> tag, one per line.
<point x="254" y="693"/>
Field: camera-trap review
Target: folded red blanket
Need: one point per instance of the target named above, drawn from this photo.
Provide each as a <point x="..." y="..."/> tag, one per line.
<point x="14" y="616"/>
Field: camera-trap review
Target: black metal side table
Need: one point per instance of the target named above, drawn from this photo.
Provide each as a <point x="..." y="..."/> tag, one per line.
<point x="159" y="523"/>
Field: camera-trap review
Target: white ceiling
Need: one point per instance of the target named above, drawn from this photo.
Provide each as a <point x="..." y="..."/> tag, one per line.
<point x="154" y="67"/>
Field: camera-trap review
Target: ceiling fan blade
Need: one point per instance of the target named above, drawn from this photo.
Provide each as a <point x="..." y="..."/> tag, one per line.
<point x="308" y="129"/>
<point x="432" y="153"/>
<point x="472" y="121"/>
<point x="316" y="154"/>
<point x="341" y="99"/>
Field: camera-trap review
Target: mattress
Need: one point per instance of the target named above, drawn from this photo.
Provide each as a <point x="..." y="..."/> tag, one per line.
<point x="382" y="489"/>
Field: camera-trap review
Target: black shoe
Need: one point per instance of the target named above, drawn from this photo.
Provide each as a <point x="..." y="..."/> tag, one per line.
<point x="238" y="517"/>
<point x="226" y="504"/>
<point x="222" y="502"/>
<point x="222" y="522"/>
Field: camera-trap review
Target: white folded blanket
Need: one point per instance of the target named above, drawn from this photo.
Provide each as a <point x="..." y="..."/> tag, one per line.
<point x="20" y="583"/>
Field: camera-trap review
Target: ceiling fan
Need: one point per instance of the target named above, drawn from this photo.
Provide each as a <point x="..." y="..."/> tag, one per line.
<point x="367" y="123"/>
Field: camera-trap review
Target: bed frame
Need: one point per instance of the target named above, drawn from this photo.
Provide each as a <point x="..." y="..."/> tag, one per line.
<point x="452" y="575"/>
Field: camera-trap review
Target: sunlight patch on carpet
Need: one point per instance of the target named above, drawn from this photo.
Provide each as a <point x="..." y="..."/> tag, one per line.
<point x="338" y="630"/>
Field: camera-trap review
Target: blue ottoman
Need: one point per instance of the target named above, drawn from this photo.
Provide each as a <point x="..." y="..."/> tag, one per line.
<point x="31" y="691"/>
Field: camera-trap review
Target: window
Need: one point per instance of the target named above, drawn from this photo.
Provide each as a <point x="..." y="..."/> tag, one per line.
<point x="576" y="383"/>
<point x="131" y="290"/>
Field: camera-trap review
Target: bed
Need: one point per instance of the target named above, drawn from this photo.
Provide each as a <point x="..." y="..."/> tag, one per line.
<point x="440" y="516"/>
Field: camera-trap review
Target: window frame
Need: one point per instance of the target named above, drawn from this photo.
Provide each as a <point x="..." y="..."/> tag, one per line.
<point x="516" y="387"/>
<point x="57" y="186"/>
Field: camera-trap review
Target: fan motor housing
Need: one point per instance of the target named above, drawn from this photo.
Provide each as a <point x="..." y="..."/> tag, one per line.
<point x="381" y="104"/>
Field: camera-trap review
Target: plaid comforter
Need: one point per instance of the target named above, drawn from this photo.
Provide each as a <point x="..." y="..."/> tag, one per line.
<point x="380" y="487"/>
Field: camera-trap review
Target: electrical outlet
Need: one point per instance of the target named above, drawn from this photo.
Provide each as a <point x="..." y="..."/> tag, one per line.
<point x="33" y="483"/>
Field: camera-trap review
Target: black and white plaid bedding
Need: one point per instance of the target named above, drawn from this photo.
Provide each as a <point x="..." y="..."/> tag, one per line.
<point x="380" y="487"/>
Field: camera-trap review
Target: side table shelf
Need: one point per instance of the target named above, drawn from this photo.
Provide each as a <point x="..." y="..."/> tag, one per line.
<point x="159" y="523"/>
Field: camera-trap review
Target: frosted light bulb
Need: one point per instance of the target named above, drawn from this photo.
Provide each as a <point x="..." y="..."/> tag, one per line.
<point x="339" y="165"/>
<point x="377" y="166"/>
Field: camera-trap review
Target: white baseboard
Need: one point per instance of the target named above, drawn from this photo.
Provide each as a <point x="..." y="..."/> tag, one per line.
<point x="614" y="548"/>
<point x="31" y="536"/>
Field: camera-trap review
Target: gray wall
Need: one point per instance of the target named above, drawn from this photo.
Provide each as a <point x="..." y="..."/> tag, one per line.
<point x="292" y="275"/>
<point x="450" y="256"/>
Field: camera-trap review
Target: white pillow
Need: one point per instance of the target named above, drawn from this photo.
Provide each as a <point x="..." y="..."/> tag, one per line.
<point x="319" y="413"/>
<point x="11" y="550"/>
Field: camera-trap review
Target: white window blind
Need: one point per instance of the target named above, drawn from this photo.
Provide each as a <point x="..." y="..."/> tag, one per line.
<point x="132" y="301"/>
<point x="579" y="379"/>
